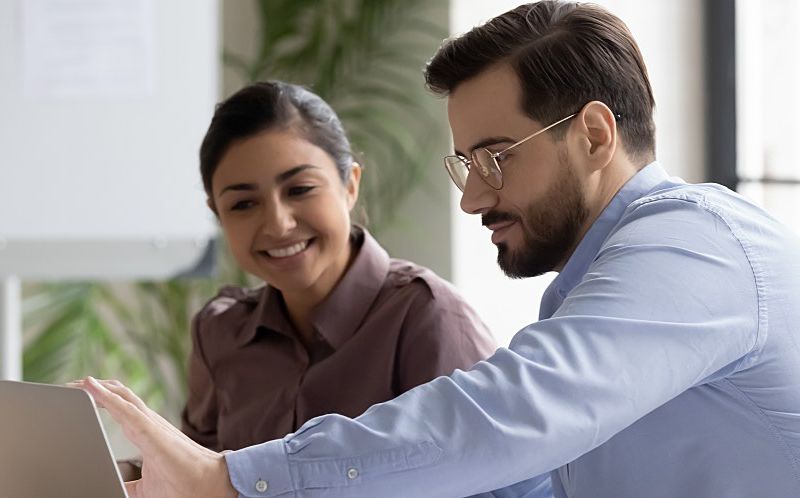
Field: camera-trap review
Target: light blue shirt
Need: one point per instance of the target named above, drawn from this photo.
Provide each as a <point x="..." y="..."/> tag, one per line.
<point x="666" y="363"/>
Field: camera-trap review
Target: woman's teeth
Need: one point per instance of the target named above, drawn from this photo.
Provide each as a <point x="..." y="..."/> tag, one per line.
<point x="285" y="252"/>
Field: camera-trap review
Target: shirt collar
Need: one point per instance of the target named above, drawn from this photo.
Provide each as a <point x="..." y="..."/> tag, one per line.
<point x="268" y="312"/>
<point x="643" y="182"/>
<point x="355" y="293"/>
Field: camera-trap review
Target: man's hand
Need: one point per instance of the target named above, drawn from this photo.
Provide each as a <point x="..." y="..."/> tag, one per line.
<point x="173" y="466"/>
<point x="130" y="470"/>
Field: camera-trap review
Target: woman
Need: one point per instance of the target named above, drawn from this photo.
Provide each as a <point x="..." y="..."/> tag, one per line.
<point x="339" y="326"/>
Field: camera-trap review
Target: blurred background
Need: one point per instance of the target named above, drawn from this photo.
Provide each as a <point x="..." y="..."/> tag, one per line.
<point x="107" y="248"/>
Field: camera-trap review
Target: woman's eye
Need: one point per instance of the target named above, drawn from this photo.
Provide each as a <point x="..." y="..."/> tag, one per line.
<point x="242" y="205"/>
<point x="502" y="157"/>
<point x="295" y="191"/>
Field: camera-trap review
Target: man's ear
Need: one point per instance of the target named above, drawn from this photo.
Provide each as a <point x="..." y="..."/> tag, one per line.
<point x="353" y="184"/>
<point x="595" y="135"/>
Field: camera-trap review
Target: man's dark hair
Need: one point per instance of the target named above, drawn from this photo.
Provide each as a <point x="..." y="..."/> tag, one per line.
<point x="565" y="54"/>
<point x="274" y="105"/>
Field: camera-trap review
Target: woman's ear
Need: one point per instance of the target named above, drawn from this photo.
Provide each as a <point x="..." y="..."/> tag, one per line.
<point x="211" y="206"/>
<point x="353" y="184"/>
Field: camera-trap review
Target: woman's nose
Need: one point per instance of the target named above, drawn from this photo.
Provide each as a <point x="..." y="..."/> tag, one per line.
<point x="278" y="219"/>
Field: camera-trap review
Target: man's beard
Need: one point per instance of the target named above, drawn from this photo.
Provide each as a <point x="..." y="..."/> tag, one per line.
<point x="550" y="228"/>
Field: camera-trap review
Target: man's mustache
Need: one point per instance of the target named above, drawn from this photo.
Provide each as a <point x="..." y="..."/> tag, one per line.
<point x="497" y="217"/>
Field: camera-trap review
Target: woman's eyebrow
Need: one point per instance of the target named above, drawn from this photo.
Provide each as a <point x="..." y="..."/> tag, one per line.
<point x="280" y="178"/>
<point x="239" y="187"/>
<point x="283" y="177"/>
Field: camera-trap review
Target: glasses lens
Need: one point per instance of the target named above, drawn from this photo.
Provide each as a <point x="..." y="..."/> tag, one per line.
<point x="458" y="170"/>
<point x="488" y="168"/>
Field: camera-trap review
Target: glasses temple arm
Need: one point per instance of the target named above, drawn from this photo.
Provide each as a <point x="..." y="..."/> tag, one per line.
<point x="495" y="154"/>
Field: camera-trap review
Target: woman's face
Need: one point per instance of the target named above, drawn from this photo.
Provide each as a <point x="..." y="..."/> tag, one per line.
<point x="285" y="211"/>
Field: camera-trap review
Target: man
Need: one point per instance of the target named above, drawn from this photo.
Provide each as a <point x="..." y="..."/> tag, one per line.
<point x="666" y="361"/>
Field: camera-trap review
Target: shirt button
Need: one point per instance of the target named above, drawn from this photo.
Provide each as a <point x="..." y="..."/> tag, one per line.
<point x="262" y="486"/>
<point x="352" y="473"/>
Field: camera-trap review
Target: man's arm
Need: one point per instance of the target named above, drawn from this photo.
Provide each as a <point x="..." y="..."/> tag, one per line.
<point x="647" y="322"/>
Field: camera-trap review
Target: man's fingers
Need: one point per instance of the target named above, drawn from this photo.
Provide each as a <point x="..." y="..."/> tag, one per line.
<point x="124" y="392"/>
<point x="115" y="387"/>
<point x="144" y="427"/>
<point x="123" y="411"/>
<point x="132" y="488"/>
<point x="128" y="395"/>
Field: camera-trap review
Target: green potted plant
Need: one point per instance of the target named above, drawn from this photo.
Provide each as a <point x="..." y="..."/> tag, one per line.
<point x="364" y="57"/>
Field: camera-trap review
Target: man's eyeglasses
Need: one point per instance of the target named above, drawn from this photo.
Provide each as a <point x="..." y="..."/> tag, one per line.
<point x="487" y="161"/>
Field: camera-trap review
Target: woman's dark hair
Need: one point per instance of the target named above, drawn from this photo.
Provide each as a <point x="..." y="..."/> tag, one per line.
<point x="565" y="54"/>
<point x="274" y="105"/>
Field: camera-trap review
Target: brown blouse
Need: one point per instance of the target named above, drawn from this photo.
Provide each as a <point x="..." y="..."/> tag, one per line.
<point x="388" y="326"/>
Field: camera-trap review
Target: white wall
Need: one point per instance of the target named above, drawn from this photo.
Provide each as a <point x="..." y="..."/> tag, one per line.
<point x="95" y="170"/>
<point x="669" y="33"/>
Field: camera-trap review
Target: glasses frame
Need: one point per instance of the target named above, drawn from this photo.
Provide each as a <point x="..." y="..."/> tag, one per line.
<point x="484" y="171"/>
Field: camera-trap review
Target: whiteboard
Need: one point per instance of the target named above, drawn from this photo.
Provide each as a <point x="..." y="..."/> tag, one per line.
<point x="100" y="178"/>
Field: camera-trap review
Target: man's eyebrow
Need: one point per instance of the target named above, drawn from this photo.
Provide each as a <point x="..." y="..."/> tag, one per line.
<point x="487" y="142"/>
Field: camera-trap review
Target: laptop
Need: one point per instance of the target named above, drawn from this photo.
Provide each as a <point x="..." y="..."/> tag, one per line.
<point x="52" y="444"/>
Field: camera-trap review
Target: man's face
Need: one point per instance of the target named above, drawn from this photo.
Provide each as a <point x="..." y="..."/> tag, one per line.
<point x="537" y="216"/>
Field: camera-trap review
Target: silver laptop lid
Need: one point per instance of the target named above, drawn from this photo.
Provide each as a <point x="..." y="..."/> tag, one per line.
<point x="52" y="444"/>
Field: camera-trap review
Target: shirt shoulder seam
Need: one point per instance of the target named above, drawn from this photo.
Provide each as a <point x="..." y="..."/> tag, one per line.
<point x="701" y="200"/>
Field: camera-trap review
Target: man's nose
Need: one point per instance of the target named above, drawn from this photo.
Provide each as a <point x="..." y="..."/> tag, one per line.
<point x="478" y="196"/>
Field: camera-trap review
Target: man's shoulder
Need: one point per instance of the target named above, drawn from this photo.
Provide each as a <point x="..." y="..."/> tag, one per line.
<point x="686" y="215"/>
<point x="685" y="192"/>
<point x="695" y="203"/>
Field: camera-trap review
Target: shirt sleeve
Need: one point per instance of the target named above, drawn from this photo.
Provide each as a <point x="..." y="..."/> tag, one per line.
<point x="647" y="322"/>
<point x="199" y="416"/>
<point x="535" y="487"/>
<point x="440" y="333"/>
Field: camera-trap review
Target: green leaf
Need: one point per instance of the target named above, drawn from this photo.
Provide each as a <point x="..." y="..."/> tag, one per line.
<point x="365" y="57"/>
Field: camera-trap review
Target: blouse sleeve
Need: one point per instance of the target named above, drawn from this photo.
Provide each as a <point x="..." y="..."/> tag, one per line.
<point x="441" y="333"/>
<point x="199" y="417"/>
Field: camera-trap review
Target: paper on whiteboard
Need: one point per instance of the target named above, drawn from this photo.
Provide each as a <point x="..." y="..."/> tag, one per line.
<point x="88" y="48"/>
